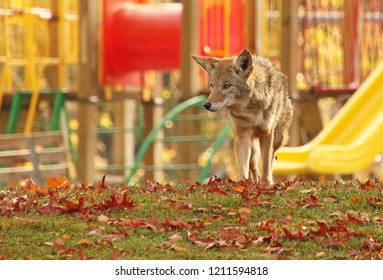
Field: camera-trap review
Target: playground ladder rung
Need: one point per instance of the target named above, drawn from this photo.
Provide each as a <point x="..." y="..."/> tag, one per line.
<point x="22" y="173"/>
<point x="21" y="140"/>
<point x="173" y="167"/>
<point x="120" y="130"/>
<point x="193" y="138"/>
<point x="198" y="117"/>
<point x="35" y="154"/>
<point x="55" y="154"/>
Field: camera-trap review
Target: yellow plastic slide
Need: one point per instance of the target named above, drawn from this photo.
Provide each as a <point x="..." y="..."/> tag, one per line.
<point x="349" y="142"/>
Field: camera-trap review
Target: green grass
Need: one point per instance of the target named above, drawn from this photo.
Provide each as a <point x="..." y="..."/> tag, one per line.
<point x="221" y="219"/>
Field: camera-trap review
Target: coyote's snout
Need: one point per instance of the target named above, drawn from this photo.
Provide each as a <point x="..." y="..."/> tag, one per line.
<point x="254" y="94"/>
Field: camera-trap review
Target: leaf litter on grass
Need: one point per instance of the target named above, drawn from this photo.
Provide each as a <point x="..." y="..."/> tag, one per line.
<point x="289" y="220"/>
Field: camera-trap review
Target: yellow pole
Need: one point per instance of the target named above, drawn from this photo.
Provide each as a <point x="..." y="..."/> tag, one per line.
<point x="31" y="67"/>
<point x="34" y="99"/>
<point x="61" y="43"/>
<point x="6" y="80"/>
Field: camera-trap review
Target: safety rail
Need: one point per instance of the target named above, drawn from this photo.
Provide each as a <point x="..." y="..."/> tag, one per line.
<point x="152" y="137"/>
<point x="36" y="155"/>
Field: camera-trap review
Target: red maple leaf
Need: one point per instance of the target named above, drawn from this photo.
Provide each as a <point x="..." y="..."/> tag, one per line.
<point x="299" y="235"/>
<point x="71" y="206"/>
<point x="372" y="245"/>
<point x="323" y="229"/>
<point x="312" y="201"/>
<point x="368" y="185"/>
<point x="52" y="207"/>
<point x="113" y="203"/>
<point x="102" y="186"/>
<point x="180" y="204"/>
<point x="334" y="243"/>
<point x="353" y="220"/>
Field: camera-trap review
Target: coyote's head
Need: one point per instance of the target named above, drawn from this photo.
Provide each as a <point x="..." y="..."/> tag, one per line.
<point x="227" y="78"/>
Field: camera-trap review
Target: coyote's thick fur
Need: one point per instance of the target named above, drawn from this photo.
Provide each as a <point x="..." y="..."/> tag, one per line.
<point x="254" y="94"/>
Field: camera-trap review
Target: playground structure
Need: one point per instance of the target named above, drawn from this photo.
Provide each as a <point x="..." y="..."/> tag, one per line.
<point x="143" y="52"/>
<point x="360" y="122"/>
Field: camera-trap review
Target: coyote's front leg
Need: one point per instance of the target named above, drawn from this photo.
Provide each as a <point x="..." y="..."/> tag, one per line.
<point x="266" y="143"/>
<point x="242" y="149"/>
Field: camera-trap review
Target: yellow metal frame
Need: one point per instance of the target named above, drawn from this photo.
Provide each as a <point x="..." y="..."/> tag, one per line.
<point x="32" y="16"/>
<point x="271" y="38"/>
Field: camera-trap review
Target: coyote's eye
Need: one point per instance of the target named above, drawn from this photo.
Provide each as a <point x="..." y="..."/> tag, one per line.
<point x="226" y="85"/>
<point x="211" y="85"/>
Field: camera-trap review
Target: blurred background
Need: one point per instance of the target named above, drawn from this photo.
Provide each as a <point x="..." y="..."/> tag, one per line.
<point x="94" y="88"/>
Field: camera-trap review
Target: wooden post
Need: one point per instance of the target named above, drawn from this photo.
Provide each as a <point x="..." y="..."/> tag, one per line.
<point x="118" y="138"/>
<point x="259" y="22"/>
<point x="129" y="138"/>
<point x="308" y="107"/>
<point x="88" y="87"/>
<point x="53" y="72"/>
<point x="351" y="43"/>
<point x="190" y="81"/>
<point x="153" y="114"/>
<point x="149" y="125"/>
<point x="189" y="45"/>
<point x="249" y="25"/>
<point x="289" y="45"/>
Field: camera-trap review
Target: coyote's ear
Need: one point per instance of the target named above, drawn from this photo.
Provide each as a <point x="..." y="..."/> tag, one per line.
<point x="244" y="63"/>
<point x="207" y="63"/>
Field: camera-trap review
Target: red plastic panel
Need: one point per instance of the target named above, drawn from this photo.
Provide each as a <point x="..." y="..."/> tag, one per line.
<point x="140" y="37"/>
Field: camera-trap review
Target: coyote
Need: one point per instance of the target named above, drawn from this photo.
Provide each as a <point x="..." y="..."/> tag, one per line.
<point x="255" y="95"/>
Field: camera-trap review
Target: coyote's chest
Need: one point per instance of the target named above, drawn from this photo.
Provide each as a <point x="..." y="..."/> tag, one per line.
<point x="253" y="119"/>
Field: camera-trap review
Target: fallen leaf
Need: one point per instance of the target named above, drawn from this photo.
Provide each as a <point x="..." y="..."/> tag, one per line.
<point x="97" y="231"/>
<point x="372" y="245"/>
<point x="323" y="229"/>
<point x="334" y="243"/>
<point x="374" y="202"/>
<point x="368" y="185"/>
<point x="299" y="235"/>
<point x="58" y="182"/>
<point x="330" y="199"/>
<point x="102" y="219"/>
<point x="179" y="249"/>
<point x="58" y="241"/>
<point x="312" y="201"/>
<point x="239" y="189"/>
<point x="378" y="220"/>
<point x="244" y="210"/>
<point x="232" y="212"/>
<point x="116" y="203"/>
<point x="180" y="204"/>
<point x="338" y="213"/>
<point x="320" y="254"/>
<point x="66" y="236"/>
<point x="356" y="200"/>
<point x="118" y="254"/>
<point x="85" y="242"/>
<point x="28" y="220"/>
<point x="353" y="220"/>
<point x="175" y="237"/>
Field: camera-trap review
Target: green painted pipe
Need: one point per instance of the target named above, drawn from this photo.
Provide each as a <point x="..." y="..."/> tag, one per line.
<point x="14" y="113"/>
<point x="194" y="101"/>
<point x="58" y="105"/>
<point x="222" y="136"/>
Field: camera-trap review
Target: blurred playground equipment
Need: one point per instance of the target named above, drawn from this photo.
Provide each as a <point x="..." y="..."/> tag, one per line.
<point x="343" y="37"/>
<point x="349" y="143"/>
<point x="147" y="90"/>
<point x="38" y="57"/>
